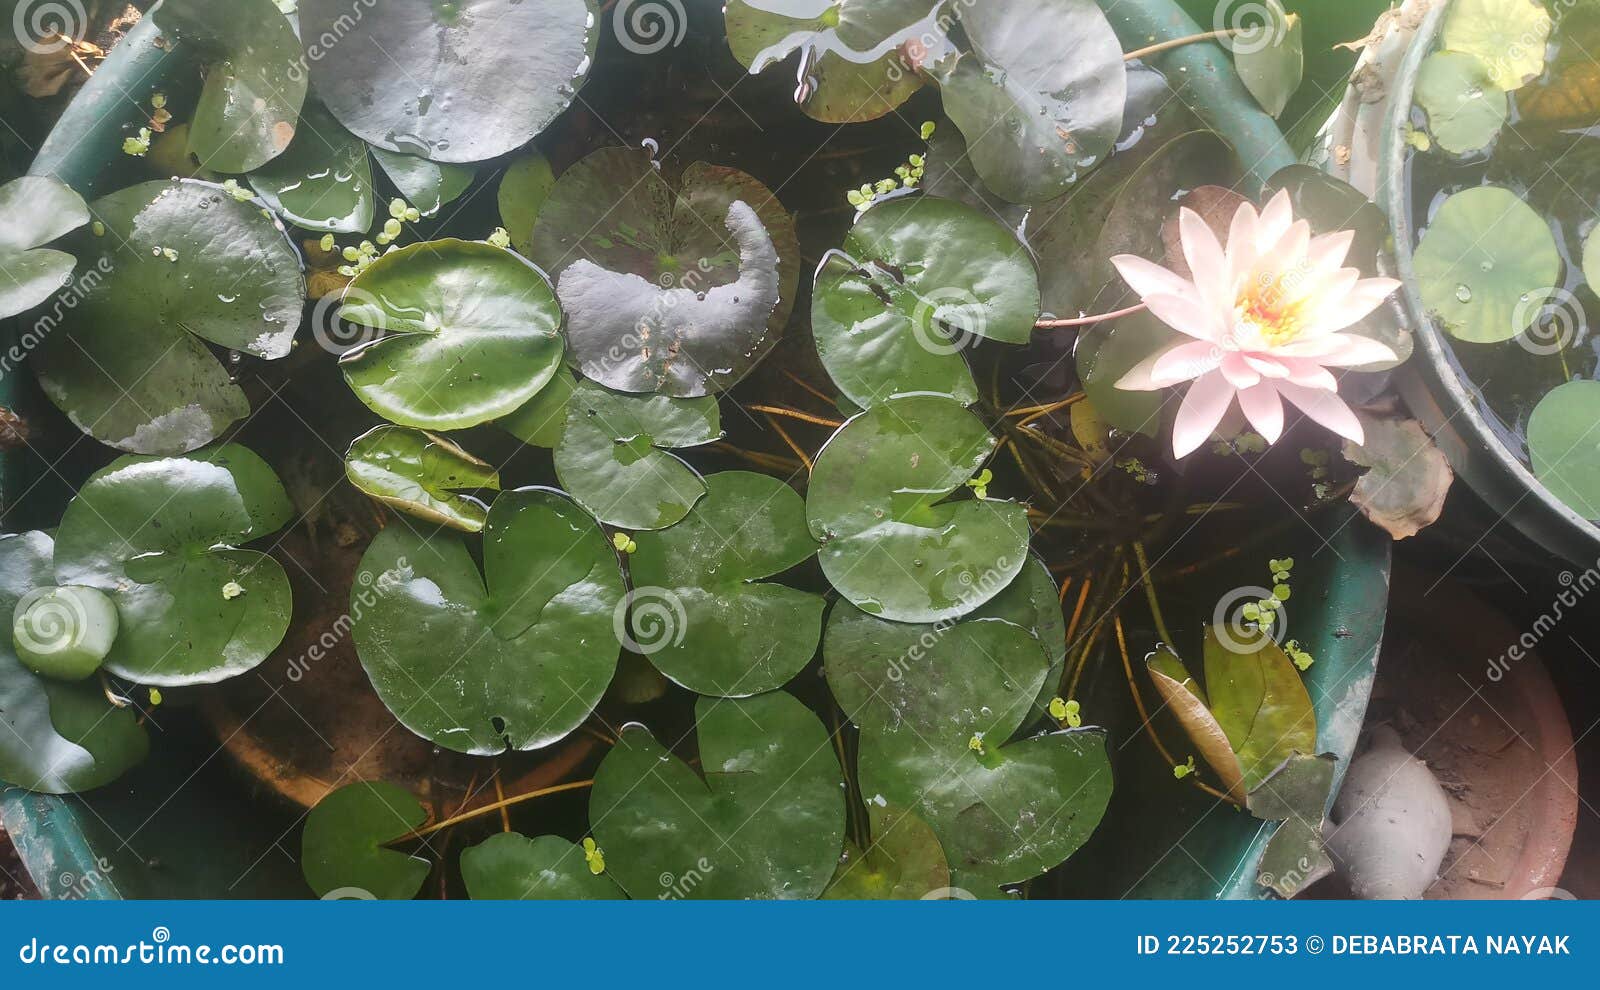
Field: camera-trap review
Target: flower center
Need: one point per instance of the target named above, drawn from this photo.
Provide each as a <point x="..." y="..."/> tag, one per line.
<point x="1272" y="321"/>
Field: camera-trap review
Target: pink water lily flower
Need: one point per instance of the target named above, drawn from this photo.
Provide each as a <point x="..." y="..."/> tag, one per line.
<point x="1265" y="315"/>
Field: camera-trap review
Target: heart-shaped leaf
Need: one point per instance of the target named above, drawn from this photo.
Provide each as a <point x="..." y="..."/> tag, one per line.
<point x="1561" y="445"/>
<point x="255" y="80"/>
<point x="420" y="473"/>
<point x="542" y="421"/>
<point x="342" y="853"/>
<point x="1487" y="28"/>
<point x="613" y="455"/>
<point x="55" y="737"/>
<point x="412" y="76"/>
<point x="524" y="188"/>
<point x="1259" y="701"/>
<point x="425" y="184"/>
<point x="513" y="867"/>
<point x="178" y="262"/>
<point x="1269" y="55"/>
<point x="1465" y="108"/>
<point x="160" y="536"/>
<point x="700" y="611"/>
<point x="1486" y="265"/>
<point x="766" y="821"/>
<point x="851" y="66"/>
<point x="937" y="706"/>
<point x="892" y="543"/>
<point x="904" y="861"/>
<point x="35" y="210"/>
<point x="679" y="293"/>
<point x="918" y="278"/>
<point x="1187" y="702"/>
<point x="1038" y="94"/>
<point x="470" y="334"/>
<point x="323" y="181"/>
<point x="516" y="657"/>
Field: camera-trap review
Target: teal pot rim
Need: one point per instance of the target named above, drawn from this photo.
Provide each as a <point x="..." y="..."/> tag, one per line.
<point x="1446" y="403"/>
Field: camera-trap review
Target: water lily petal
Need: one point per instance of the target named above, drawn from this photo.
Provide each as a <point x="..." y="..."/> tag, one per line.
<point x="1328" y="251"/>
<point x="1203" y="407"/>
<point x="1190" y="359"/>
<point x="1364" y="297"/>
<point x="1264" y="410"/>
<point x="1311" y="374"/>
<point x="1148" y="278"/>
<point x="1207" y="261"/>
<point x="1351" y="350"/>
<point x="1267" y="365"/>
<point x="1139" y="378"/>
<point x="1275" y="220"/>
<point x="1186" y="314"/>
<point x="1242" y="239"/>
<point x="1238" y="371"/>
<point x="1325" y="408"/>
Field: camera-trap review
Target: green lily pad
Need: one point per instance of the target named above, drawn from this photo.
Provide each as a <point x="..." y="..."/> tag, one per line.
<point x="613" y="457"/>
<point x="1039" y="94"/>
<point x="1296" y="794"/>
<point x="470" y="333"/>
<point x="1107" y="351"/>
<point x="1031" y="602"/>
<point x="937" y="706"/>
<point x="1507" y="35"/>
<point x="1465" y="108"/>
<point x="1564" y="448"/>
<point x="542" y="421"/>
<point x="904" y="861"/>
<point x="1591" y="258"/>
<point x="852" y="69"/>
<point x="35" y="210"/>
<point x="1487" y="265"/>
<point x="323" y="181"/>
<point x="55" y="737"/>
<point x="917" y="280"/>
<point x="891" y="542"/>
<point x="513" y="867"/>
<point x="128" y="365"/>
<point x="1260" y="702"/>
<point x="342" y="853"/>
<point x="1187" y="702"/>
<point x="255" y="80"/>
<point x="1269" y="55"/>
<point x="515" y="657"/>
<point x="160" y="536"/>
<point x="524" y="188"/>
<point x="673" y="292"/>
<point x="700" y="611"/>
<point x="415" y="75"/>
<point x="425" y="184"/>
<point x="765" y="821"/>
<point x="420" y="473"/>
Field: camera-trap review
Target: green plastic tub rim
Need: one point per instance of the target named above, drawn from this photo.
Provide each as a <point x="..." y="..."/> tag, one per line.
<point x="70" y="848"/>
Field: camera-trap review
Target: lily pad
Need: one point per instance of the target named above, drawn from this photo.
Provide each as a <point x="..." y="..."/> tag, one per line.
<point x="1260" y="702"/>
<point x="917" y="281"/>
<point x="513" y="867"/>
<point x="427" y="185"/>
<point x="524" y="188"/>
<point x="1109" y="350"/>
<point x="851" y="66"/>
<point x="904" y="861"/>
<point x="938" y="706"/>
<point x="420" y="474"/>
<point x="515" y="657"/>
<point x="673" y="292"/>
<point x="1407" y="476"/>
<point x="1564" y="448"/>
<point x="1187" y="702"/>
<point x="55" y="737"/>
<point x="1507" y="35"/>
<point x="1465" y="108"/>
<point x="613" y="455"/>
<point x="1031" y="602"/>
<point x="416" y="76"/>
<point x="180" y="262"/>
<point x="1039" y="94"/>
<point x="35" y="210"/>
<point x="765" y="821"/>
<point x="342" y="852"/>
<point x="892" y="543"/>
<point x="1487" y="264"/>
<point x="1591" y="258"/>
<point x="160" y="535"/>
<point x="1270" y="56"/>
<point x="323" y="181"/>
<point x="471" y="332"/>
<point x="255" y="80"/>
<point x="700" y="609"/>
<point x="542" y="421"/>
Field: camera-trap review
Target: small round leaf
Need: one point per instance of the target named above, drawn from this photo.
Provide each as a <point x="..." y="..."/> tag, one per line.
<point x="1486" y="265"/>
<point x="1564" y="446"/>
<point x="342" y="853"/>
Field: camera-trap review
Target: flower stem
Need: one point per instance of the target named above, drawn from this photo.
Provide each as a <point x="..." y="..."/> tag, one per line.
<point x="1157" y="49"/>
<point x="490" y="809"/>
<point x="1150" y="595"/>
<point x="1083" y="321"/>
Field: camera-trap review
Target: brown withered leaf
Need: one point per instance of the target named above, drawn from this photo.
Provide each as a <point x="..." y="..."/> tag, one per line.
<point x="1408" y="476"/>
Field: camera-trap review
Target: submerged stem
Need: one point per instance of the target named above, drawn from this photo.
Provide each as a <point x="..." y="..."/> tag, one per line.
<point x="1168" y="45"/>
<point x="490" y="809"/>
<point x="1083" y="321"/>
